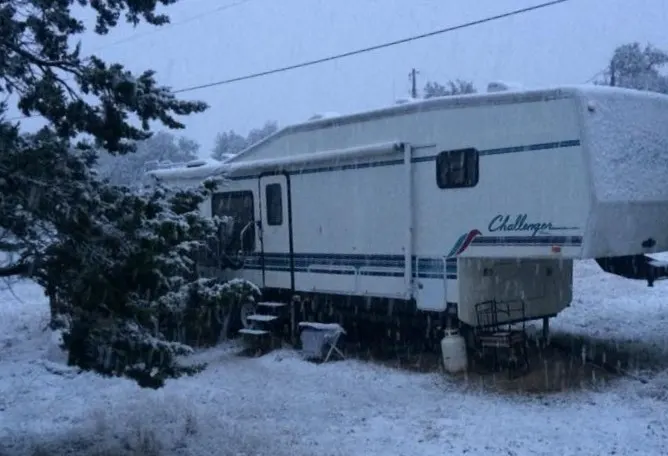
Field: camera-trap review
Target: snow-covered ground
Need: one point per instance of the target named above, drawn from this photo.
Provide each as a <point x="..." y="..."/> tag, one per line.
<point x="279" y="404"/>
<point x="621" y="314"/>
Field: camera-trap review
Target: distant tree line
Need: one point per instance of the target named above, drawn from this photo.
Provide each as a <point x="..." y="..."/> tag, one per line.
<point x="638" y="67"/>
<point x="164" y="148"/>
<point x="632" y="66"/>
<point x="230" y="143"/>
<point x="452" y="87"/>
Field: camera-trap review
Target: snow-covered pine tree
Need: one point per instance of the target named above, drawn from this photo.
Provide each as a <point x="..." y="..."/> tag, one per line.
<point x="127" y="282"/>
<point x="115" y="263"/>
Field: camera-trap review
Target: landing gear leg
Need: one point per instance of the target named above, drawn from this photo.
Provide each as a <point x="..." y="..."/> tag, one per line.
<point x="546" y="331"/>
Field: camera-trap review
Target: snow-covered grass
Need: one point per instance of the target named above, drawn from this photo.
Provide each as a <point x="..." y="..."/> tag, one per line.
<point x="279" y="404"/>
<point x="617" y="314"/>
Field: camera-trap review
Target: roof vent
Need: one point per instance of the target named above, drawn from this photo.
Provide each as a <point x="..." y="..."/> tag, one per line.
<point x="401" y="101"/>
<point x="196" y="163"/>
<point x="500" y="86"/>
<point x="324" y="115"/>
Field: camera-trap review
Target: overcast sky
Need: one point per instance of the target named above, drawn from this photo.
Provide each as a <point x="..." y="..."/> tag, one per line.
<point x="567" y="43"/>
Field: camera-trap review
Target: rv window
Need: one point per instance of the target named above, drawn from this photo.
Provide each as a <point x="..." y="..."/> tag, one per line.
<point x="238" y="208"/>
<point x="274" y="202"/>
<point x="457" y="168"/>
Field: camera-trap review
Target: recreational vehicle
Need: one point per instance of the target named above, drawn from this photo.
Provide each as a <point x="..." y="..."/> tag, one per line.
<point x="434" y="206"/>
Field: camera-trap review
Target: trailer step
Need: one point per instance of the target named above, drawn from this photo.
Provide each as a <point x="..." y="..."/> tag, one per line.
<point x="262" y="318"/>
<point x="271" y="304"/>
<point x="253" y="332"/>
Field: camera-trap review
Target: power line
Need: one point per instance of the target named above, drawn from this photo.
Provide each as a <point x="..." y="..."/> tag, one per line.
<point x="372" y="48"/>
<point x="362" y="50"/>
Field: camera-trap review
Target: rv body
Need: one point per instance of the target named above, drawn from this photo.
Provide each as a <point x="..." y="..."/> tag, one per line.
<point x="448" y="202"/>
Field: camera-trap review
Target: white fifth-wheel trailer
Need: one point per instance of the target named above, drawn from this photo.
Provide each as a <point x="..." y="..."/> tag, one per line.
<point x="436" y="205"/>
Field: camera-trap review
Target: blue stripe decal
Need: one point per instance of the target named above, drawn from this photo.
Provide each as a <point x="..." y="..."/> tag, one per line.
<point x="393" y="265"/>
<point x="430" y="158"/>
<point x="531" y="147"/>
<point x="527" y="241"/>
<point x="346" y="264"/>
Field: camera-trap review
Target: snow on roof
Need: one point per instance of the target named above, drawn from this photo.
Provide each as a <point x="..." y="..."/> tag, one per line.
<point x="498" y="86"/>
<point x="405" y="100"/>
<point x="324" y="115"/>
<point x="509" y="92"/>
<point x="628" y="140"/>
<point x="196" y="169"/>
<point x="505" y="90"/>
<point x="201" y="162"/>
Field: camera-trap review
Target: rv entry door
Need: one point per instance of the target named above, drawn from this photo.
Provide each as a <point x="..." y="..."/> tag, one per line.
<point x="277" y="254"/>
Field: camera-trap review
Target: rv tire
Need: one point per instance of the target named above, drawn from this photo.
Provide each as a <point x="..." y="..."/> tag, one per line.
<point x="246" y="309"/>
<point x="237" y="318"/>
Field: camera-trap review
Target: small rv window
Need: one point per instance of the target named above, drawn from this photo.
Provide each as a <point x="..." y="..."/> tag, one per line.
<point x="274" y="203"/>
<point x="457" y="168"/>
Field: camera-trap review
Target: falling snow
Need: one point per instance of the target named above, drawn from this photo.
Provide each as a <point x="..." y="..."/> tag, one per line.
<point x="279" y="404"/>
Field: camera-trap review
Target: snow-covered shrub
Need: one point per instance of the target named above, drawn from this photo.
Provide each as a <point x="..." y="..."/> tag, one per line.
<point x="196" y="313"/>
<point x="124" y="285"/>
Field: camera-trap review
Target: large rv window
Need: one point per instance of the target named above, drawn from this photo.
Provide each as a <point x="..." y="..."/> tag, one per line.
<point x="274" y="202"/>
<point x="457" y="168"/>
<point x="238" y="207"/>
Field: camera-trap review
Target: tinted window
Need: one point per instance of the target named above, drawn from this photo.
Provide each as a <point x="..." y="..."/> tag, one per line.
<point x="457" y="168"/>
<point x="238" y="206"/>
<point x="274" y="199"/>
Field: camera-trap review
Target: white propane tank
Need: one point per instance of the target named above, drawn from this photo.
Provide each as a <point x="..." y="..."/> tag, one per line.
<point x="453" y="349"/>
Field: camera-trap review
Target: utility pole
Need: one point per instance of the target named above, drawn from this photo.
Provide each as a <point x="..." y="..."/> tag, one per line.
<point x="413" y="77"/>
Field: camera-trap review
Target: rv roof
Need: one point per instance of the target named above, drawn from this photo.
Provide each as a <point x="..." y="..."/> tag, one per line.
<point x="436" y="103"/>
<point x="445" y="102"/>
